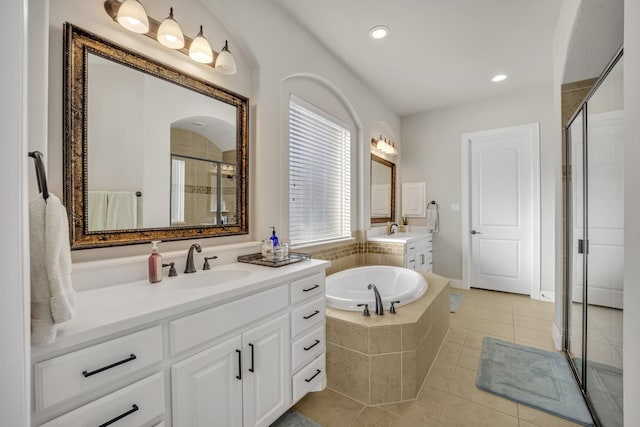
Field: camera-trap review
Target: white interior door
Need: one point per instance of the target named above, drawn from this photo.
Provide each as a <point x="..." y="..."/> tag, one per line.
<point x="503" y="209"/>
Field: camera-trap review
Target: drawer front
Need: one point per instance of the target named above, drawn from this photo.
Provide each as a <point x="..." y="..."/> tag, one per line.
<point x="307" y="288"/>
<point x="309" y="378"/>
<point x="199" y="328"/>
<point x="307" y="316"/>
<point x="307" y="348"/>
<point x="136" y="404"/>
<point x="85" y="370"/>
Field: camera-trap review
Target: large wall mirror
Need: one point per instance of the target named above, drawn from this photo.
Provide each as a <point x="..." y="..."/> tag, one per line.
<point x="150" y="153"/>
<point x="383" y="190"/>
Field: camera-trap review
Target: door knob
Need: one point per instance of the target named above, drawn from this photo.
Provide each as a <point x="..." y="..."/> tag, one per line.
<point x="475" y="232"/>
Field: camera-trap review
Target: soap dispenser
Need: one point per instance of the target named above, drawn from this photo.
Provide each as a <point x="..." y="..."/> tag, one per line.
<point x="155" y="263"/>
<point x="274" y="238"/>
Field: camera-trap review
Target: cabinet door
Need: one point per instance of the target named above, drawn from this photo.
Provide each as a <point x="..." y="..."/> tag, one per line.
<point x="422" y="259"/>
<point x="267" y="382"/>
<point x="206" y="389"/>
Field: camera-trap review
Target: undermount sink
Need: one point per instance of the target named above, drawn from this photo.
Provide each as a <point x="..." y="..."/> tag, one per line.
<point x="203" y="279"/>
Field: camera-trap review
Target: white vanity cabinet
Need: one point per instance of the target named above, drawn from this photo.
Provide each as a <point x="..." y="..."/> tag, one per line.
<point x="239" y="361"/>
<point x="418" y="254"/>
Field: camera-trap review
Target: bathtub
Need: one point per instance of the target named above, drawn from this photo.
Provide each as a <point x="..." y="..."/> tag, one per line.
<point x="347" y="288"/>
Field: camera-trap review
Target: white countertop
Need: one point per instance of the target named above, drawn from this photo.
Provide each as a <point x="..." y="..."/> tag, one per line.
<point x="398" y="237"/>
<point x="108" y="310"/>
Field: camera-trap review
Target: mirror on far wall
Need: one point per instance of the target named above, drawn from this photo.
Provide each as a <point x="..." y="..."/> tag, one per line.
<point x="383" y="190"/>
<point x="150" y="153"/>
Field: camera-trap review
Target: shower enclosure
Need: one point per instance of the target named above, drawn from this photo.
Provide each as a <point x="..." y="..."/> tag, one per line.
<point x="594" y="245"/>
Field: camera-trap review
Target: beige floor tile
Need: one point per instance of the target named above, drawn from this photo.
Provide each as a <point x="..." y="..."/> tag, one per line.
<point x="541" y="418"/>
<point x="457" y="335"/>
<point x="474" y="338"/>
<point x="463" y="385"/>
<point x="377" y="417"/>
<point x="493" y="328"/>
<point x="460" y="321"/>
<point x="439" y="376"/>
<point x="537" y="311"/>
<point x="460" y="412"/>
<point x="329" y="409"/>
<point x="525" y="424"/>
<point x="469" y="358"/>
<point x="450" y="351"/>
<point x="425" y="409"/>
<point x="494" y="316"/>
<point x="537" y="338"/>
<point x="533" y="323"/>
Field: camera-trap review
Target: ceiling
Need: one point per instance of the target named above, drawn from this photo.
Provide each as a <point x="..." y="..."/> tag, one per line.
<point x="439" y="52"/>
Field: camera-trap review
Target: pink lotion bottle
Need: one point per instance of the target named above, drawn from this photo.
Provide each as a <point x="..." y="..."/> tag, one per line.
<point x="155" y="264"/>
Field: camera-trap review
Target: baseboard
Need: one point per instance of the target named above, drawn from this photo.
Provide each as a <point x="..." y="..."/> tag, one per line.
<point x="548" y="296"/>
<point x="557" y="336"/>
<point x="456" y="283"/>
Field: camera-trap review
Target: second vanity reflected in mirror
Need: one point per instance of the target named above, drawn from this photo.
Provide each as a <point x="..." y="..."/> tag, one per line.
<point x="383" y="190"/>
<point x="150" y="152"/>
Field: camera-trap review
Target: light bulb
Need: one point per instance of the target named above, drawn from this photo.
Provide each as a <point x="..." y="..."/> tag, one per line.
<point x="170" y="33"/>
<point x="133" y="17"/>
<point x="225" y="63"/>
<point x="200" y="50"/>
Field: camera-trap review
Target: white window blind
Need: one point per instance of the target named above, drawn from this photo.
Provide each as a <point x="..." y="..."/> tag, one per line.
<point x="319" y="175"/>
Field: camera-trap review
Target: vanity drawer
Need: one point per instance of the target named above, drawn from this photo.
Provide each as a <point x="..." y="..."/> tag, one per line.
<point x="85" y="370"/>
<point x="309" y="377"/>
<point x="307" y="288"/>
<point x="307" y="316"/>
<point x="307" y="348"/>
<point x="414" y="246"/>
<point x="191" y="331"/>
<point x="141" y="402"/>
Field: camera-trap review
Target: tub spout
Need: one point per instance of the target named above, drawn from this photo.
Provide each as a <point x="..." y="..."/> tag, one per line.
<point x="379" y="308"/>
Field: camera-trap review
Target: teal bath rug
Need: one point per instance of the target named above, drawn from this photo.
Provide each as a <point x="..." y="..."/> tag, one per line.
<point x="538" y="378"/>
<point x="454" y="302"/>
<point x="293" y="418"/>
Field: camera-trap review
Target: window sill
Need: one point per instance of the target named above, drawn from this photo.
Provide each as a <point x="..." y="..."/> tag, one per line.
<point x="307" y="247"/>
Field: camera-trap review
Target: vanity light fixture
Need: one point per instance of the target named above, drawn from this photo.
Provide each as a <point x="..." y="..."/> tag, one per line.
<point x="170" y="33"/>
<point x="225" y="62"/>
<point x="133" y="17"/>
<point x="384" y="146"/>
<point x="379" y="32"/>
<point x="200" y="50"/>
<point x="499" y="78"/>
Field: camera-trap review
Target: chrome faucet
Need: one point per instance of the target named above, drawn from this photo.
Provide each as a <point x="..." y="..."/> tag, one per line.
<point x="190" y="267"/>
<point x="379" y="308"/>
<point x="391" y="230"/>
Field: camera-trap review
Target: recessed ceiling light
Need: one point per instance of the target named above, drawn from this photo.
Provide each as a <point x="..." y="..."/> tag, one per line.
<point x="379" y="32"/>
<point x="499" y="78"/>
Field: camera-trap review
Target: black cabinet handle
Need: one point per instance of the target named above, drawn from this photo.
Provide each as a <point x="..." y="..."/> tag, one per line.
<point x="314" y="375"/>
<point x="251" y="368"/>
<point x="133" y="409"/>
<point x="113" y="365"/>
<point x="310" y="316"/>
<point x="239" y="376"/>
<point x="312" y="345"/>
<point x="316" y="286"/>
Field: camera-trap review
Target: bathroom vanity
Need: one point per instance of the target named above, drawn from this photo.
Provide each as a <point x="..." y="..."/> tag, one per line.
<point x="238" y="344"/>
<point x="416" y="248"/>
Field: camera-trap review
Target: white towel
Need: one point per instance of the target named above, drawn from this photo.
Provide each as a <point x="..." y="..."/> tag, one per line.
<point x="122" y="210"/>
<point x="97" y="210"/>
<point x="52" y="294"/>
<point x="432" y="219"/>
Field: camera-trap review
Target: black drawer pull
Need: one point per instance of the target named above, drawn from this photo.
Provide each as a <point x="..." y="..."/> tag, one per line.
<point x="113" y="365"/>
<point x="133" y="409"/>
<point x="314" y="375"/>
<point x="310" y="316"/>
<point x="312" y="345"/>
<point x="251" y="368"/>
<point x="239" y="376"/>
<point x="311" y="288"/>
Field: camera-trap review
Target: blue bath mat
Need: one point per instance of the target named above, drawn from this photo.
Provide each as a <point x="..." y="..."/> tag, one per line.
<point x="531" y="376"/>
<point x="293" y="418"/>
<point x="454" y="301"/>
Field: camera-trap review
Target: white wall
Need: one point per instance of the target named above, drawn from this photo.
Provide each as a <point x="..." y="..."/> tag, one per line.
<point x="431" y="153"/>
<point x="631" y="338"/>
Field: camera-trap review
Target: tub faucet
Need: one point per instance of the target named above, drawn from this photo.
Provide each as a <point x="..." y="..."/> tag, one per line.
<point x="190" y="267"/>
<point x="379" y="308"/>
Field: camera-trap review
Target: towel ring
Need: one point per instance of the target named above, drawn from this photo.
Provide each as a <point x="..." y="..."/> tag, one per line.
<point x="432" y="204"/>
<point x="41" y="175"/>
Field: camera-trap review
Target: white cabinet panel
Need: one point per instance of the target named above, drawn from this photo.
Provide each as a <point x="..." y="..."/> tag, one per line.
<point x="307" y="347"/>
<point x="207" y="387"/>
<point x="307" y="288"/>
<point x="307" y="316"/>
<point x="313" y="375"/>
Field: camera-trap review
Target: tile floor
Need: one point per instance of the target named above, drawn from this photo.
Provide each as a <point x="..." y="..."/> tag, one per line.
<point x="449" y="396"/>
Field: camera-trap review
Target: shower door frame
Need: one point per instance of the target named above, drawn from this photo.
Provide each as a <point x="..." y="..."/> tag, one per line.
<point x="580" y="376"/>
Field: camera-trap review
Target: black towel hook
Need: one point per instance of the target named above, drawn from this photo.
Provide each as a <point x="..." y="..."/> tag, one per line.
<point x="41" y="175"/>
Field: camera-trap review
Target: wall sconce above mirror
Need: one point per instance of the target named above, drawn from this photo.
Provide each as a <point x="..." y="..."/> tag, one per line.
<point x="150" y="153"/>
<point x="130" y="14"/>
<point x="384" y="146"/>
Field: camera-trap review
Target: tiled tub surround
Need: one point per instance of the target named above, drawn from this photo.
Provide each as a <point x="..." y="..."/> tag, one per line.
<point x="385" y="359"/>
